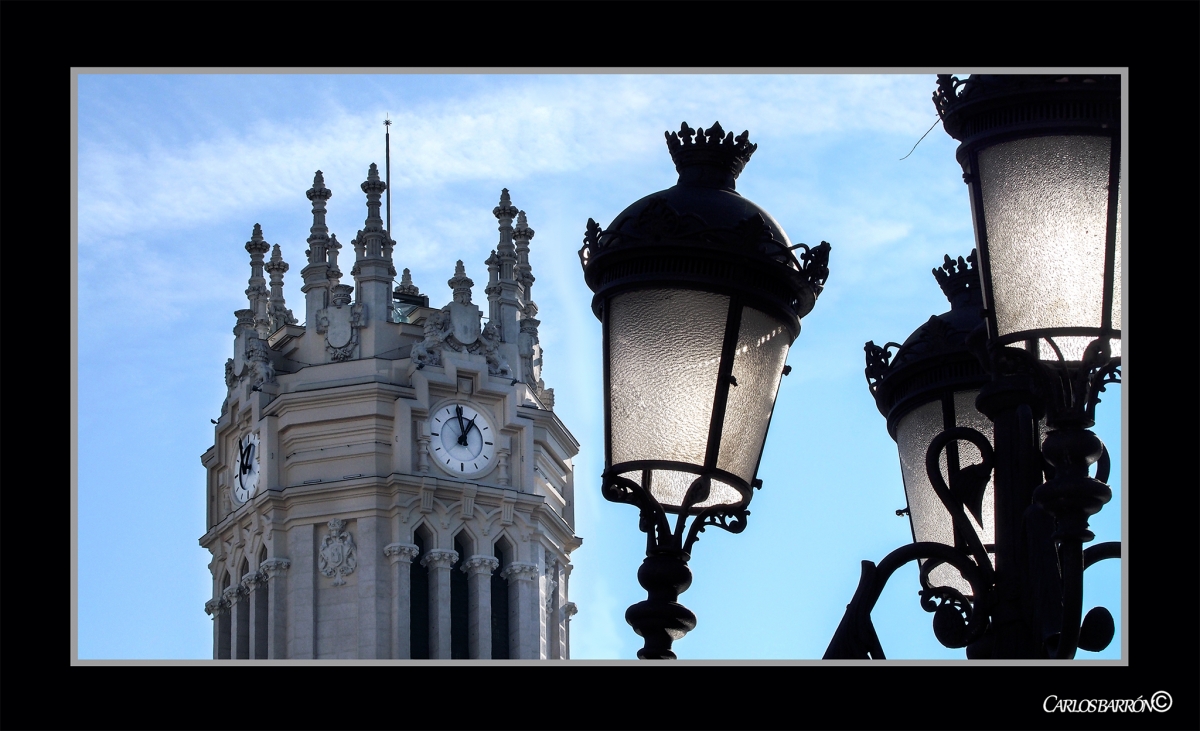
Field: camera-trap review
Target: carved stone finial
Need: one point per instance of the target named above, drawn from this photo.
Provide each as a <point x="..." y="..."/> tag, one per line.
<point x="341" y="294"/>
<point x="505" y="210"/>
<point x="506" y="254"/>
<point x="406" y="285"/>
<point x="460" y="283"/>
<point x="256" y="292"/>
<point x="372" y="241"/>
<point x="522" y="271"/>
<point x="256" y="244"/>
<point x="277" y="309"/>
<point x="523" y="230"/>
<point x="318" y="237"/>
<point x="318" y="189"/>
<point x="276" y="263"/>
<point x="711" y="158"/>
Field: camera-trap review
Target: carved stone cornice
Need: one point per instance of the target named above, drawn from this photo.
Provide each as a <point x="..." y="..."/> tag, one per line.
<point x="440" y="558"/>
<point x="215" y="607"/>
<point x="274" y="567"/>
<point x="570" y="610"/>
<point x="520" y="572"/>
<point x="397" y="552"/>
<point x="480" y="565"/>
<point x="233" y="594"/>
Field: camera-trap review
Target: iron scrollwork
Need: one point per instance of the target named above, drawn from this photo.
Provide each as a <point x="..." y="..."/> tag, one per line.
<point x="660" y="619"/>
<point x="957" y="620"/>
<point x="660" y="534"/>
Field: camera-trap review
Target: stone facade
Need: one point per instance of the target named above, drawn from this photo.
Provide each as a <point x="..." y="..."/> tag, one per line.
<point x="389" y="480"/>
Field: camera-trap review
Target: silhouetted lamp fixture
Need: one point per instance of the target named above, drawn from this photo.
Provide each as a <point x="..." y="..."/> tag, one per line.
<point x="1041" y="155"/>
<point x="927" y="389"/>
<point x="700" y="296"/>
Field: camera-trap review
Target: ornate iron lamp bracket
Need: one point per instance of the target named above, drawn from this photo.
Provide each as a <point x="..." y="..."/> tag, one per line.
<point x="660" y="619"/>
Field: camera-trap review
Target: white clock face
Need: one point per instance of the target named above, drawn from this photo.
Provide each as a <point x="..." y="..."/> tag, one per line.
<point x="463" y="440"/>
<point x="245" y="480"/>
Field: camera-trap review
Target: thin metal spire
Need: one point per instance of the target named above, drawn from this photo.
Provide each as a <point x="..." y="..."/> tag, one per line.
<point x="387" y="137"/>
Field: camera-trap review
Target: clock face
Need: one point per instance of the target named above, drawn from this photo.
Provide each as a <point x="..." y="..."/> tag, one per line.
<point x="245" y="481"/>
<point x="463" y="440"/>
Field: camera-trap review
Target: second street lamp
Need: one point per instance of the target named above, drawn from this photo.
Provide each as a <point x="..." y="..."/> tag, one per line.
<point x="700" y="296"/>
<point x="1041" y="156"/>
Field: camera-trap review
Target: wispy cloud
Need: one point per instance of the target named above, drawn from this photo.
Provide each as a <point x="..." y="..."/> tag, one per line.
<point x="527" y="128"/>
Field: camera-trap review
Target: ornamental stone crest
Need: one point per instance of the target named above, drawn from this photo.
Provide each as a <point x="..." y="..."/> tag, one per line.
<point x="339" y="556"/>
<point x="340" y="323"/>
<point x="457" y="327"/>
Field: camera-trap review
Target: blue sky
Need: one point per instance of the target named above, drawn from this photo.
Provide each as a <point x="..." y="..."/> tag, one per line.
<point x="174" y="170"/>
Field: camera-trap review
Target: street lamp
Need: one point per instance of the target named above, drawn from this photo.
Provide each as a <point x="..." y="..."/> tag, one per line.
<point x="927" y="388"/>
<point x="1041" y="155"/>
<point x="700" y="296"/>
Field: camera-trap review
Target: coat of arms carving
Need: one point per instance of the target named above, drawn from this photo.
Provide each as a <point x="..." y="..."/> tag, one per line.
<point x="340" y="323"/>
<point x="339" y="556"/>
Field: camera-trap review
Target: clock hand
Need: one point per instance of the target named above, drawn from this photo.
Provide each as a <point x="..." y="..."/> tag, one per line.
<point x="462" y="432"/>
<point x="470" y="426"/>
<point x="244" y="458"/>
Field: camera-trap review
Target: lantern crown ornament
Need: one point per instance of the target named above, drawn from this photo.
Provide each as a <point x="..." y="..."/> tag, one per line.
<point x="700" y="296"/>
<point x="702" y="234"/>
<point x="698" y="153"/>
<point x="937" y="357"/>
<point x="985" y="105"/>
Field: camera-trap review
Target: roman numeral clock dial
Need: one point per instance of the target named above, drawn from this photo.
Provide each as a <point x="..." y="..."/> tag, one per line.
<point x="464" y="440"/>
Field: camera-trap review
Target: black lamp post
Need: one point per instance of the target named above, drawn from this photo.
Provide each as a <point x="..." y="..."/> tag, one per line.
<point x="700" y="296"/>
<point x="1041" y="157"/>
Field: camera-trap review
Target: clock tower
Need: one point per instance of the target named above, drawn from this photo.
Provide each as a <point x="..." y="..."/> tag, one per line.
<point x="389" y="479"/>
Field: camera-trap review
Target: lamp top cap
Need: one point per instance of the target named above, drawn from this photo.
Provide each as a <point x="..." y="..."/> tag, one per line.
<point x="1000" y="103"/>
<point x="711" y="157"/>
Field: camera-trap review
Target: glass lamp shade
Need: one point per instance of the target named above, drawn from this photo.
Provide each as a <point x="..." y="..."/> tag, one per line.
<point x="928" y="515"/>
<point x="672" y="414"/>
<point x="1044" y="226"/>
<point x="1042" y="157"/>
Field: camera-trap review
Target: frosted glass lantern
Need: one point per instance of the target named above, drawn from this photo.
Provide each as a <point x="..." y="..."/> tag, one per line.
<point x="700" y="296"/>
<point x="1042" y="157"/>
<point x="927" y="387"/>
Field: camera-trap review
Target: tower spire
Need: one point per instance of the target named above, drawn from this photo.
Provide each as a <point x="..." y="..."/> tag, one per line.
<point x="505" y="251"/>
<point x="318" y="237"/>
<point x="492" y="290"/>
<point x="373" y="271"/>
<point x="316" y="273"/>
<point x="387" y="142"/>
<point x="277" y="310"/>
<point x="523" y="271"/>
<point x="507" y="309"/>
<point x="256" y="292"/>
